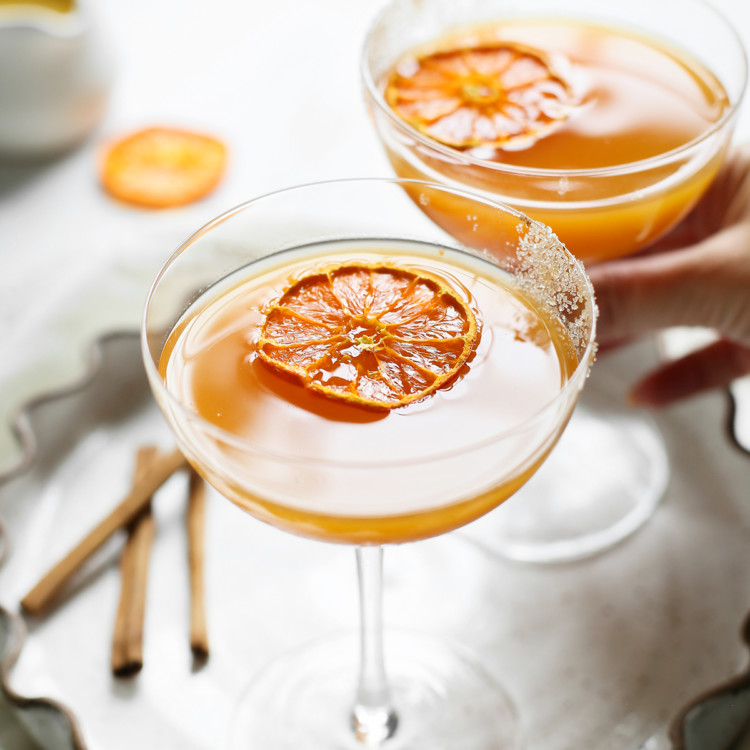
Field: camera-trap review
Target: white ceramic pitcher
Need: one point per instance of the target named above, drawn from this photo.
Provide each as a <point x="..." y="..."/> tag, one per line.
<point x="55" y="75"/>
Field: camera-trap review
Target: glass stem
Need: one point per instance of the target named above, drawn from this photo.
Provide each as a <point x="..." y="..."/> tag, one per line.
<point x="373" y="717"/>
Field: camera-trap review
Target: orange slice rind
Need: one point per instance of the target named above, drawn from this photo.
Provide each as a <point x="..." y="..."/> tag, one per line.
<point x="500" y="95"/>
<point x="371" y="335"/>
<point x="162" y="167"/>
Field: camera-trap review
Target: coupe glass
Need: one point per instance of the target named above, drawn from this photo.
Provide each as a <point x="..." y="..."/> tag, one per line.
<point x="599" y="214"/>
<point x="418" y="691"/>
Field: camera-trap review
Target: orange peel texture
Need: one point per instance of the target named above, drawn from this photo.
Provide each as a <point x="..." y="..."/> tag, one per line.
<point x="162" y="167"/>
<point x="497" y="94"/>
<point x="369" y="334"/>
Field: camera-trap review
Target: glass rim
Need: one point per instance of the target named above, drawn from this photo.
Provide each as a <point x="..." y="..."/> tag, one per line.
<point x="573" y="382"/>
<point x="639" y="165"/>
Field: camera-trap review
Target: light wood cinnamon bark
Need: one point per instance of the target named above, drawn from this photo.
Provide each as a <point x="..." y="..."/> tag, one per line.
<point x="127" y="641"/>
<point x="196" y="519"/>
<point x="44" y="593"/>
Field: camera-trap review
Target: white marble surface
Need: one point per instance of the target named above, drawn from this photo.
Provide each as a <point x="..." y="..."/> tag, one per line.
<point x="73" y="263"/>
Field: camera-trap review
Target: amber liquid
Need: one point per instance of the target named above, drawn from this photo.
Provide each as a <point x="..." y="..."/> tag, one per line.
<point x="365" y="476"/>
<point x="638" y="100"/>
<point x="20" y="7"/>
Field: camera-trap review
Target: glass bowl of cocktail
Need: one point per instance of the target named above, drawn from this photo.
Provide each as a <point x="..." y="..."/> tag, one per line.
<point x="338" y="366"/>
<point x="605" y="121"/>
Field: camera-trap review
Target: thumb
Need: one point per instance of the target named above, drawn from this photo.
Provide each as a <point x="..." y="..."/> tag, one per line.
<point x="707" y="284"/>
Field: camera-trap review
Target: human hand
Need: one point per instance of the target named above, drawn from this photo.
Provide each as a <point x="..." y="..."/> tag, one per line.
<point x="698" y="275"/>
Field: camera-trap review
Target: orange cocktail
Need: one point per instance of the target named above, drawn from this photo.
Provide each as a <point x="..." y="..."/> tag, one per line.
<point x="339" y="367"/>
<point x="607" y="130"/>
<point x="369" y="351"/>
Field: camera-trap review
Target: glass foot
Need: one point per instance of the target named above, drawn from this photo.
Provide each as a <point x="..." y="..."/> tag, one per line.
<point x="602" y="482"/>
<point x="443" y="699"/>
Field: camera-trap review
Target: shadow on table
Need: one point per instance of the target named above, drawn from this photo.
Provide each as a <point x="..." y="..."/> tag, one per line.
<point x="12" y="733"/>
<point x="15" y="174"/>
<point x="719" y="719"/>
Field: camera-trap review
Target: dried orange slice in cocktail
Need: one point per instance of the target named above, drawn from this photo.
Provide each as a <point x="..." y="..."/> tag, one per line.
<point x="163" y="167"/>
<point x="369" y="334"/>
<point x="496" y="94"/>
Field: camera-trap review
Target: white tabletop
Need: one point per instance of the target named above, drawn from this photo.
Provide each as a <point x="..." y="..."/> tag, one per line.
<point x="74" y="263"/>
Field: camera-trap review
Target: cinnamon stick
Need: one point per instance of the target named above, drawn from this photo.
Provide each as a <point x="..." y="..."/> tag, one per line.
<point x="196" y="518"/>
<point x="44" y="593"/>
<point x="127" y="642"/>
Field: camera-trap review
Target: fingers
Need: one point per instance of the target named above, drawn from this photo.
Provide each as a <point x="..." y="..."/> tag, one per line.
<point x="704" y="285"/>
<point x="714" y="366"/>
<point x="646" y="293"/>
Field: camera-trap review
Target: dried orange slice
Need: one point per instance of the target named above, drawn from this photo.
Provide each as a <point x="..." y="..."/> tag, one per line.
<point x="163" y="167"/>
<point x="369" y="334"/>
<point x="498" y="94"/>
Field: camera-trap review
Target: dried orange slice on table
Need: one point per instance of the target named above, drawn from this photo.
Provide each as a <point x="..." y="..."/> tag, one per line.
<point x="369" y="334"/>
<point x="497" y="94"/>
<point x="163" y="167"/>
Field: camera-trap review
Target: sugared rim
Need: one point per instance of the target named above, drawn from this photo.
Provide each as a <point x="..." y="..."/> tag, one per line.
<point x="574" y="381"/>
<point x="373" y="90"/>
